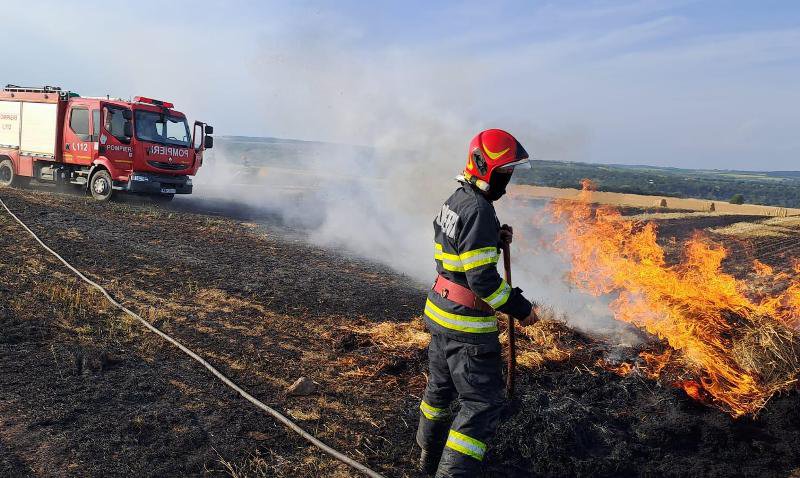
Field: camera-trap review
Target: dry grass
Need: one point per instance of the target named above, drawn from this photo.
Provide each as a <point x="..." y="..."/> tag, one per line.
<point x="275" y="465"/>
<point x="773" y="227"/>
<point x="545" y="341"/>
<point x="548" y="340"/>
<point x="397" y="336"/>
<point x="73" y="303"/>
<point x="76" y="307"/>
<point x="70" y="234"/>
<point x="219" y="300"/>
<point x="791" y="222"/>
<point x="770" y="351"/>
<point x="378" y="351"/>
<point x="671" y="215"/>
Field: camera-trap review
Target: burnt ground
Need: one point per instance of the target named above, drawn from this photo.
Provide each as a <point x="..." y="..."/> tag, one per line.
<point x="85" y="391"/>
<point x="577" y="420"/>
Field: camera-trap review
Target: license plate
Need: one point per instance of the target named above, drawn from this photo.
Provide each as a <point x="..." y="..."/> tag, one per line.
<point x="167" y="191"/>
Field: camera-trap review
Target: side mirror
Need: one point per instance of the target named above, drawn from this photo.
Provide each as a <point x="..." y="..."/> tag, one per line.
<point x="127" y="114"/>
<point x="209" y="129"/>
<point x="209" y="142"/>
<point x="127" y="129"/>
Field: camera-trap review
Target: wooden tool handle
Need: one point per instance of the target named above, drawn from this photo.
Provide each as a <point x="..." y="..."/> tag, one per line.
<point x="512" y="346"/>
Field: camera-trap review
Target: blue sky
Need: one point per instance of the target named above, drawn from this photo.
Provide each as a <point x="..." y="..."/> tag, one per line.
<point x="675" y="83"/>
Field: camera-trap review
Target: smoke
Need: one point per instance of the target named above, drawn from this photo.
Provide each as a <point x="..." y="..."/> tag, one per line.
<point x="357" y="200"/>
<point x="380" y="204"/>
<point x="407" y="112"/>
<point x="544" y="273"/>
<point x="397" y="123"/>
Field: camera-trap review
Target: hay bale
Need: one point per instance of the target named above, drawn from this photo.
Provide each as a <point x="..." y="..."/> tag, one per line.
<point x="662" y="203"/>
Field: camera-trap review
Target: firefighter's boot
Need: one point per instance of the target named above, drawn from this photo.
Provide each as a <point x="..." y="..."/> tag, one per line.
<point x="453" y="465"/>
<point x="431" y="437"/>
<point x="429" y="461"/>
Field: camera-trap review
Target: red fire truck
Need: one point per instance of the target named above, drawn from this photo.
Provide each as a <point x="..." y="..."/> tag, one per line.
<point x="105" y="145"/>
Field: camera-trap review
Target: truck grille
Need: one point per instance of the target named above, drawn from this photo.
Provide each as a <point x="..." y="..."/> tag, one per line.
<point x="170" y="166"/>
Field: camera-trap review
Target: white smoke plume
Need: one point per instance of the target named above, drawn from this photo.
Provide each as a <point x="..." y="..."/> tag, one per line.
<point x="379" y="206"/>
<point x="411" y="113"/>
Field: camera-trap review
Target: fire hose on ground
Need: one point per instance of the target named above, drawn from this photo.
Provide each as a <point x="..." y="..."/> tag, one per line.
<point x="277" y="415"/>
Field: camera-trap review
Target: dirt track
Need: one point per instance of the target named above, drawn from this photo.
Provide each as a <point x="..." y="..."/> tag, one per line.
<point x="86" y="392"/>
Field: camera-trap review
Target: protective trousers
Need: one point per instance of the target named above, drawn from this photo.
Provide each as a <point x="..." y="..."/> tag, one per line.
<point x="473" y="374"/>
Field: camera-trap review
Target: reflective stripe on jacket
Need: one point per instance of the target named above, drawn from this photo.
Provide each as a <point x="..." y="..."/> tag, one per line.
<point x="466" y="234"/>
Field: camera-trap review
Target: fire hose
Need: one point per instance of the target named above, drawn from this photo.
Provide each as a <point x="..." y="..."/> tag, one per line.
<point x="511" y="369"/>
<point x="277" y="415"/>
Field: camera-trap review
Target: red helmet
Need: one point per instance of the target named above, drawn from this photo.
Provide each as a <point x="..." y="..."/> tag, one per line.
<point x="491" y="150"/>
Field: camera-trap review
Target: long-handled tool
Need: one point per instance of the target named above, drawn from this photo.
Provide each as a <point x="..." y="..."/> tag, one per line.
<point x="512" y="346"/>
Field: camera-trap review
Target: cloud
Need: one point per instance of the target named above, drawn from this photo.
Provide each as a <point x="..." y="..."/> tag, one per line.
<point x="667" y="83"/>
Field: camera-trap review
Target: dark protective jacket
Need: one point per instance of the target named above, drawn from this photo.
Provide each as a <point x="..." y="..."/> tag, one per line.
<point x="466" y="250"/>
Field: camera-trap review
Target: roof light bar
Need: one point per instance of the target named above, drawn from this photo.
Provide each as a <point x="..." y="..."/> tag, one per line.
<point x="151" y="101"/>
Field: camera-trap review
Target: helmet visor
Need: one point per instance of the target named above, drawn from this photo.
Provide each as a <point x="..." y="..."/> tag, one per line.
<point x="520" y="163"/>
<point x="521" y="153"/>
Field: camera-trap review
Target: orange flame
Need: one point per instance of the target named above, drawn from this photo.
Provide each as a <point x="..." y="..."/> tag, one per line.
<point x="692" y="388"/>
<point x="622" y="368"/>
<point x="694" y="306"/>
<point x="761" y="269"/>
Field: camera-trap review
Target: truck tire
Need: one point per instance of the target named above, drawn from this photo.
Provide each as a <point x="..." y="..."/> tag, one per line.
<point x="7" y="175"/>
<point x="100" y="185"/>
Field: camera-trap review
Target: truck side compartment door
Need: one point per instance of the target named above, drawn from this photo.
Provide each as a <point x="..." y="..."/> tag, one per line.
<point x="10" y="126"/>
<point x="37" y="135"/>
<point x="78" y="144"/>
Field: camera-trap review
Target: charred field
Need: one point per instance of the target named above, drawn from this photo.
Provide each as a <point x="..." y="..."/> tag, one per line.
<point x="84" y="391"/>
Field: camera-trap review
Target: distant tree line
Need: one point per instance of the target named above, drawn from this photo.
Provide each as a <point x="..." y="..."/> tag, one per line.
<point x="774" y="189"/>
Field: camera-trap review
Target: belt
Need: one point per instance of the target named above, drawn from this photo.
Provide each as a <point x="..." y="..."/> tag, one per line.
<point x="460" y="295"/>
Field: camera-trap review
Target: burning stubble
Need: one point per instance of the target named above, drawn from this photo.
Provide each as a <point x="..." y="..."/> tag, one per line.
<point x="595" y="269"/>
<point x="378" y="202"/>
<point x="738" y="349"/>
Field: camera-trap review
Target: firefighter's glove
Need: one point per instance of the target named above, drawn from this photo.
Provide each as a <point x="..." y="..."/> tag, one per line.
<point x="506" y="234"/>
<point x="532" y="318"/>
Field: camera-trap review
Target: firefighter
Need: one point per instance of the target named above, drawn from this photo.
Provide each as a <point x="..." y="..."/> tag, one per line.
<point x="464" y="351"/>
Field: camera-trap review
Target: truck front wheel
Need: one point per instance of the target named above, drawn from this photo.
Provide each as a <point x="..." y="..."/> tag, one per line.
<point x="6" y="173"/>
<point x="100" y="185"/>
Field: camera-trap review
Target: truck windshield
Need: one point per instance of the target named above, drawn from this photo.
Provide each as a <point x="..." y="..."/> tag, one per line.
<point x="162" y="128"/>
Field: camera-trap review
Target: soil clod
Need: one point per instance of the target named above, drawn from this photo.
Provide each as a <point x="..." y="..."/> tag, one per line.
<point x="303" y="386"/>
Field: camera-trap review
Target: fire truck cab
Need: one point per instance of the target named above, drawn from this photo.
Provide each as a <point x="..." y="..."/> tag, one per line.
<point x="141" y="146"/>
